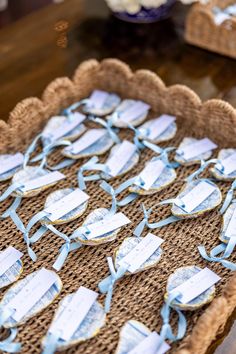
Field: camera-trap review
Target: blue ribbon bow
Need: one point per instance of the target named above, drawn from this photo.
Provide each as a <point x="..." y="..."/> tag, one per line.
<point x="203" y="166"/>
<point x="108" y="126"/>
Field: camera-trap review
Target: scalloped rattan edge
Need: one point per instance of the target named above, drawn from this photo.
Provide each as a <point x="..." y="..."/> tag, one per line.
<point x="114" y="75"/>
<point x="202" y="31"/>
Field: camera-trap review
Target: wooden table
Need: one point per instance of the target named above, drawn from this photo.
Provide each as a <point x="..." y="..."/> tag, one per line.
<point x="52" y="41"/>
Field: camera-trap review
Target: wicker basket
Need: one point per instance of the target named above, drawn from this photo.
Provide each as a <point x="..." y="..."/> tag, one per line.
<point x="139" y="296"/>
<point x="202" y="31"/>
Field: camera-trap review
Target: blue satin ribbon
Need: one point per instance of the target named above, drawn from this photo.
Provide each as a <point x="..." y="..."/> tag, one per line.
<point x="12" y="188"/>
<point x="12" y="207"/>
<point x="63" y="164"/>
<point x="90" y="165"/>
<point x="31" y="149"/>
<point x="49" y="148"/>
<point x="109" y="189"/>
<point x="166" y="330"/>
<point x="138" y="135"/>
<point x="227" y="250"/>
<point x="68" y="111"/>
<point x="203" y="166"/>
<point x="106" y="286"/>
<point x="228" y="198"/>
<point x="108" y="126"/>
<point x="7" y="345"/>
<point x="51" y="342"/>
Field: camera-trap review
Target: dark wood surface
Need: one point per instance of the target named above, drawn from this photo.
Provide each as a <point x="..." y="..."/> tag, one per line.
<point x="52" y="41"/>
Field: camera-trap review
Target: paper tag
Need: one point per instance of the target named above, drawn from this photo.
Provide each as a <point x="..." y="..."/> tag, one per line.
<point x="229" y="164"/>
<point x="197" y="195"/>
<point x="160" y="125"/>
<point x="106" y="225"/>
<point x="196" y="285"/>
<point x="195" y="149"/>
<point x="119" y="159"/>
<point x="141" y="252"/>
<point x="66" y="204"/>
<point x="150" y="173"/>
<point x="150" y="344"/>
<point x="11" y="162"/>
<point x="74" y="313"/>
<point x="49" y="178"/>
<point x="134" y="111"/>
<point x="231" y="228"/>
<point x="8" y="257"/>
<point x="27" y="297"/>
<point x="68" y="125"/>
<point x="98" y="98"/>
<point x="88" y="139"/>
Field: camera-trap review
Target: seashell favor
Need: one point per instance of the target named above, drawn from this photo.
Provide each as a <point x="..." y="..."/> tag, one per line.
<point x="9" y="165"/>
<point x="11" y="266"/>
<point x="225" y="169"/>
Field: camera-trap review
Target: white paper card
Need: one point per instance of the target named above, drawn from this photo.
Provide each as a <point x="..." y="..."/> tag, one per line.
<point x="229" y="164"/>
<point x="98" y="98"/>
<point x="49" y="178"/>
<point x="106" y="225"/>
<point x="197" y="195"/>
<point x="68" y="125"/>
<point x="160" y="125"/>
<point x="150" y="344"/>
<point x="196" y="285"/>
<point x="9" y="257"/>
<point x="141" y="252"/>
<point x="150" y="173"/>
<point x="88" y="139"/>
<point x="231" y="228"/>
<point x="11" y="162"/>
<point x="66" y="204"/>
<point x="120" y="158"/>
<point x="134" y="111"/>
<point x="28" y="296"/>
<point x="74" y="313"/>
<point x="199" y="147"/>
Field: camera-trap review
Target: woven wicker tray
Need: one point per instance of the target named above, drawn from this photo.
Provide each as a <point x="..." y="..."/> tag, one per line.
<point x="139" y="296"/>
<point x="202" y="31"/>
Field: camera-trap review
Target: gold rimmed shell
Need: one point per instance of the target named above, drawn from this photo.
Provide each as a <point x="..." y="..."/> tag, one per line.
<point x="196" y="160"/>
<point x="223" y="154"/>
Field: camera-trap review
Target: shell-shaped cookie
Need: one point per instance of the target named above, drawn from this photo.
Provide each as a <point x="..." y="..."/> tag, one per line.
<point x="40" y="305"/>
<point x="127" y="167"/>
<point x="89" y="328"/>
<point x="72" y="215"/>
<point x="100" y="147"/>
<point x="12" y="274"/>
<point x="54" y="123"/>
<point x="95" y="216"/>
<point x="111" y="102"/>
<point x="180" y="276"/>
<point x="167" y="177"/>
<point x="223" y="154"/>
<point x="168" y="134"/>
<point x="126" y="104"/>
<point x="27" y="174"/>
<point x="132" y="333"/>
<point x="128" y="244"/>
<point x="208" y="204"/>
<point x="9" y="174"/>
<point x="226" y="220"/>
<point x="188" y="141"/>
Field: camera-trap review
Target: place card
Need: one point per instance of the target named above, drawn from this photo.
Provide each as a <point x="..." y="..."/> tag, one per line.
<point x="196" y="196"/>
<point x="47" y="179"/>
<point x="150" y="173"/>
<point x="108" y="224"/>
<point x="159" y="125"/>
<point x="120" y="158"/>
<point x="196" y="285"/>
<point x="88" y="139"/>
<point x="229" y="164"/>
<point x="98" y="98"/>
<point x="200" y="147"/>
<point x="231" y="228"/>
<point x="134" y="111"/>
<point x="9" y="257"/>
<point x="150" y="344"/>
<point x="31" y="293"/>
<point x="140" y="253"/>
<point x="66" y="204"/>
<point x="74" y="313"/>
<point x="11" y="162"/>
<point x="67" y="126"/>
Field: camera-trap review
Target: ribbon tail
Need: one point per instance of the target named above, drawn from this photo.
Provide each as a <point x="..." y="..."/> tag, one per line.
<point x="140" y="227"/>
<point x="128" y="199"/>
<point x="51" y="343"/>
<point x="157" y="149"/>
<point x="8" y="345"/>
<point x="65" y="163"/>
<point x="13" y="207"/>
